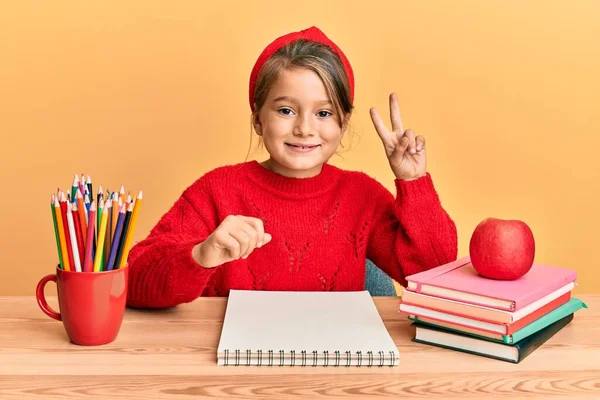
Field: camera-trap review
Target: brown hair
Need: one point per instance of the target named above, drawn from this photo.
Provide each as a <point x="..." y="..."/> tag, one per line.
<point x="316" y="57"/>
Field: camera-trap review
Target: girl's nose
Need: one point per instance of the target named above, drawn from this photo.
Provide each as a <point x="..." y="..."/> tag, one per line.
<point x="303" y="127"/>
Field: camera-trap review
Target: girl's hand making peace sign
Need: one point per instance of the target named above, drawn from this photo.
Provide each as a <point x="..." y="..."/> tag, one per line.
<point x="405" y="151"/>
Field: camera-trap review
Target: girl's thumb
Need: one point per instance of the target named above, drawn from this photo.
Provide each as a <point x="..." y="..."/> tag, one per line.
<point x="267" y="238"/>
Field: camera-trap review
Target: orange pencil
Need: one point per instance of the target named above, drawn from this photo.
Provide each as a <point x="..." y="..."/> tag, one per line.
<point x="82" y="215"/>
<point x="61" y="235"/>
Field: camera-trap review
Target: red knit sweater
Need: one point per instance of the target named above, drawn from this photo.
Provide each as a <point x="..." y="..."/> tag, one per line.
<point x="323" y="229"/>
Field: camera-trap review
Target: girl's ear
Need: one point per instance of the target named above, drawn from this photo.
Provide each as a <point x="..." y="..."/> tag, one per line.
<point x="256" y="123"/>
<point x="345" y="123"/>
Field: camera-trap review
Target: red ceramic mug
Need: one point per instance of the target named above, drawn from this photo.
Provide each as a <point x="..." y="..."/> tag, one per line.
<point x="91" y="304"/>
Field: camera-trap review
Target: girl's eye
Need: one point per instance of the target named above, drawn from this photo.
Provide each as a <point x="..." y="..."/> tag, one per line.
<point x="324" y="114"/>
<point x="285" y="111"/>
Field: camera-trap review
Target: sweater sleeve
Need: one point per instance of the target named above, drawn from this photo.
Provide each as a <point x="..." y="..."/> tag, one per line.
<point x="162" y="271"/>
<point x="413" y="232"/>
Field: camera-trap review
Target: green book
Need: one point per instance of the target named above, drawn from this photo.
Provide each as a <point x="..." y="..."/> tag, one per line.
<point x="468" y="344"/>
<point x="558" y="313"/>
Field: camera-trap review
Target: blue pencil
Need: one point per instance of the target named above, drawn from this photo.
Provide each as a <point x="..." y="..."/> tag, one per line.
<point x="116" y="238"/>
<point x="129" y="205"/>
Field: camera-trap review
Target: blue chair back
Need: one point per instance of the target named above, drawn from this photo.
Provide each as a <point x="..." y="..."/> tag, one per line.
<point x="377" y="282"/>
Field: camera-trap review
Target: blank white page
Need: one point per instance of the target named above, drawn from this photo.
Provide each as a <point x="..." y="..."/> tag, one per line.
<point x="304" y="321"/>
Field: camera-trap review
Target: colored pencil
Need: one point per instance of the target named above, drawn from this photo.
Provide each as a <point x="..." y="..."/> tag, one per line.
<point x="116" y="237"/>
<point x="58" y="247"/>
<point x="100" y="194"/>
<point x="93" y="231"/>
<point x="61" y="235"/>
<point x="87" y="264"/>
<point x="129" y="204"/>
<point x="115" y="214"/>
<point x="108" y="235"/>
<point x="74" y="187"/>
<point x="101" y="235"/>
<point x="87" y="207"/>
<point x="72" y="234"/>
<point x="89" y="186"/>
<point x="79" y="232"/>
<point x="63" y="211"/>
<point x="99" y="216"/>
<point x="81" y="213"/>
<point x="131" y="230"/>
<point x="82" y="184"/>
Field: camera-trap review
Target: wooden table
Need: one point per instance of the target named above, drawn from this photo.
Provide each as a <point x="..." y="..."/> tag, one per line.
<point x="171" y="354"/>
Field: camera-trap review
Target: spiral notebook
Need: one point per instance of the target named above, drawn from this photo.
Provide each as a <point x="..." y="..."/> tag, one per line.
<point x="263" y="328"/>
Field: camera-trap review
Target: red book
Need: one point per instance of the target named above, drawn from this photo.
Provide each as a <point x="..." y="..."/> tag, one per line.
<point x="483" y="325"/>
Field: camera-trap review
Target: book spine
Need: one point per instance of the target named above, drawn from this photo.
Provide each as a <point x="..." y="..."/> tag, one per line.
<point x="308" y="358"/>
<point x="425" y="291"/>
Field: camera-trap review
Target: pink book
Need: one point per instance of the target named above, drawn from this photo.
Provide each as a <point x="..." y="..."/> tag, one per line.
<point x="459" y="281"/>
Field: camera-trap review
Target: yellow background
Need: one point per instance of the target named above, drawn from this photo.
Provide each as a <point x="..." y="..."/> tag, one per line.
<point x="152" y="94"/>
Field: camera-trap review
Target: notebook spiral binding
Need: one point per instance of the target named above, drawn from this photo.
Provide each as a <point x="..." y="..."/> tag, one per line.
<point x="310" y="358"/>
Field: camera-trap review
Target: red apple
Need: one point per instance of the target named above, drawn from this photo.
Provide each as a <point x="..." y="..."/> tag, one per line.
<point x="502" y="249"/>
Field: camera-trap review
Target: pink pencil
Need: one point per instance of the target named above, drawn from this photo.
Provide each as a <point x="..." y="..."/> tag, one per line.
<point x="87" y="265"/>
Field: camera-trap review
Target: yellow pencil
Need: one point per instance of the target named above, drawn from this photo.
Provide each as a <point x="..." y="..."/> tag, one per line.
<point x="61" y="235"/>
<point x="101" y="235"/>
<point x="130" y="229"/>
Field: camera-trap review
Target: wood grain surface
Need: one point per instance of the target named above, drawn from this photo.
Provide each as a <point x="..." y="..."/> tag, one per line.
<point x="171" y="354"/>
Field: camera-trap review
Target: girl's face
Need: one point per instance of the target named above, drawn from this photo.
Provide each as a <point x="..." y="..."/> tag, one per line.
<point x="299" y="125"/>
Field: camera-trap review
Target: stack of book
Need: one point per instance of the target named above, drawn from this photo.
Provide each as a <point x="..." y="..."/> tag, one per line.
<point x="454" y="307"/>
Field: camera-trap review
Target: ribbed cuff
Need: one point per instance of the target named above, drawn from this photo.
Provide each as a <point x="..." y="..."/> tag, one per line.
<point x="415" y="189"/>
<point x="192" y="278"/>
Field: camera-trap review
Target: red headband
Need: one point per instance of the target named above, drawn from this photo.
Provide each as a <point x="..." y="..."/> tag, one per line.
<point x="312" y="34"/>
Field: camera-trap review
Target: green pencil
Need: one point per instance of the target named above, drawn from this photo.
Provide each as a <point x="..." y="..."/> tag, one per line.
<point x="52" y="201"/>
<point x="74" y="187"/>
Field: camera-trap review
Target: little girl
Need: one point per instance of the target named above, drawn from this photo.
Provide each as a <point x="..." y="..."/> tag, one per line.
<point x="295" y="222"/>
